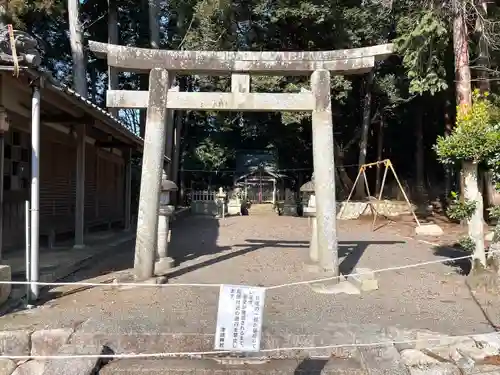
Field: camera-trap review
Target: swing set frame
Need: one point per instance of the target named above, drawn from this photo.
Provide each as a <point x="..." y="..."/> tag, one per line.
<point x="362" y="171"/>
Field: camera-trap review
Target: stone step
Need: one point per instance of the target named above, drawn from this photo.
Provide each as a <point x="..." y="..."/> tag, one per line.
<point x="304" y="366"/>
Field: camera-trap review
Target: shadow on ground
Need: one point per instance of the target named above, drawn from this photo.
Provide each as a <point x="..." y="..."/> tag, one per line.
<point x="352" y="251"/>
<point x="311" y="366"/>
<point x="110" y="262"/>
<point x="464" y="267"/>
<point x="188" y="244"/>
<point x="195" y="238"/>
<point x="461" y="266"/>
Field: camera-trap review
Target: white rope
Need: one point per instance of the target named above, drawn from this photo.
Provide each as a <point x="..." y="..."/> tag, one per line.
<point x="201" y="285"/>
<point x="380" y="270"/>
<point x="219" y="352"/>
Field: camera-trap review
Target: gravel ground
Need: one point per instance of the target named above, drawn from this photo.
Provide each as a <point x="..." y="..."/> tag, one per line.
<point x="271" y="250"/>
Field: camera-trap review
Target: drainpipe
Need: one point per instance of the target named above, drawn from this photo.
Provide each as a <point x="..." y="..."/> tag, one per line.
<point x="35" y="192"/>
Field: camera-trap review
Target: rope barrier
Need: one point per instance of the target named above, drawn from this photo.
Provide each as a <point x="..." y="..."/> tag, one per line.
<point x="275" y="170"/>
<point x="219" y="352"/>
<point x="202" y="285"/>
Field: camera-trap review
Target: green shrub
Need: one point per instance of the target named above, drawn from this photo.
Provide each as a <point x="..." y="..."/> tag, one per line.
<point x="476" y="136"/>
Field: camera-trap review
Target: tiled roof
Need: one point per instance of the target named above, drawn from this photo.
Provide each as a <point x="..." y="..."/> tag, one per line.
<point x="91" y="107"/>
<point x="28" y="55"/>
<point x="115" y="122"/>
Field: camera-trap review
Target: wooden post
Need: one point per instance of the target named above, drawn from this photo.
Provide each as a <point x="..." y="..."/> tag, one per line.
<point x="128" y="189"/>
<point x="80" y="187"/>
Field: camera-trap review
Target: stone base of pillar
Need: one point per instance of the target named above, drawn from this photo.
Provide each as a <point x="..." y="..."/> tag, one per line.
<point x="78" y="247"/>
<point x="334" y="287"/>
<point x="163" y="265"/>
<point x="312" y="267"/>
<point x="313" y="245"/>
<point x="363" y="279"/>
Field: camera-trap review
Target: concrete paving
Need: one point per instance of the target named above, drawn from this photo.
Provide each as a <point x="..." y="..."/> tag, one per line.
<point x="62" y="261"/>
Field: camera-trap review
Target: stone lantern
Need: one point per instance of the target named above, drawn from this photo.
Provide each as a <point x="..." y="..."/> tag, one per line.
<point x="221" y="203"/>
<point x="310" y="211"/>
<point x="163" y="261"/>
<point x="309" y="198"/>
<point x="234" y="204"/>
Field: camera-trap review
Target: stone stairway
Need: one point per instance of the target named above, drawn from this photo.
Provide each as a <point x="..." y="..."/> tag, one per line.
<point x="303" y="366"/>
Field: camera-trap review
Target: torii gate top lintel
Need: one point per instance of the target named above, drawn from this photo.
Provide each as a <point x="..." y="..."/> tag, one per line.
<point x="348" y="61"/>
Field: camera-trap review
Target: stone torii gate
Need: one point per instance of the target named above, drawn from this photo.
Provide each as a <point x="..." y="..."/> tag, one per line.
<point x="164" y="65"/>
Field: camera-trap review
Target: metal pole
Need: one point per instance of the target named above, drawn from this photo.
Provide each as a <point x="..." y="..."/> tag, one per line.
<point x="28" y="252"/>
<point x="2" y="162"/>
<point x="35" y="192"/>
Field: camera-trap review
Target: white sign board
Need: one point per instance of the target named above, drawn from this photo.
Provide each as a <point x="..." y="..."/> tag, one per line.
<point x="239" y="318"/>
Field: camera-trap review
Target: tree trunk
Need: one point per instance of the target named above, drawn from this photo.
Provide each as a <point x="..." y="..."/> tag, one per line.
<point x="448" y="127"/>
<point x="347" y="183"/>
<point x="461" y="50"/>
<point x="154" y="26"/>
<point x="380" y="148"/>
<point x="112" y="39"/>
<point x="476" y="230"/>
<point x="363" y="144"/>
<point x="76" y="42"/>
<point x="489" y="190"/>
<point x="420" y="155"/>
<point x="462" y="68"/>
<point x="150" y="31"/>
<point x="483" y="61"/>
<point x="144" y="86"/>
<point x="93" y="91"/>
<point x="483" y="55"/>
<point x="3" y="15"/>
<point x="176" y="153"/>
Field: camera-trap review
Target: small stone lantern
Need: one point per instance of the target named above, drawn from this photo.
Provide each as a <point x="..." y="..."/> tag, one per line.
<point x="234" y="204"/>
<point x="310" y="211"/>
<point x="163" y="261"/>
<point x="308" y="190"/>
<point x="221" y="202"/>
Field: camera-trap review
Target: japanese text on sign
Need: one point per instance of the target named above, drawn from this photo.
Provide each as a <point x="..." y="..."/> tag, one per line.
<point x="239" y="318"/>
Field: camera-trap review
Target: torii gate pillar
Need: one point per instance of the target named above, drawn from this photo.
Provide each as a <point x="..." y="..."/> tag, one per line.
<point x="324" y="172"/>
